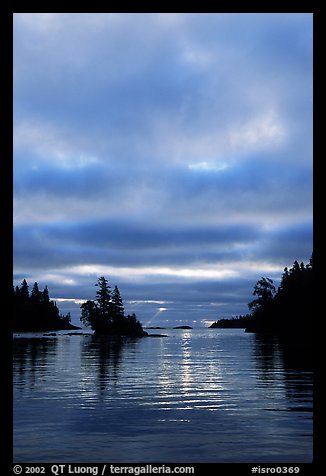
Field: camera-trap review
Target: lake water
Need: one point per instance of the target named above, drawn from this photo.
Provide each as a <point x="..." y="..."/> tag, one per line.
<point x="201" y="395"/>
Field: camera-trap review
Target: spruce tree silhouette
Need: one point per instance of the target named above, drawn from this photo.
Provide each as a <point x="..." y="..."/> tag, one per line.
<point x="106" y="316"/>
<point x="36" y="311"/>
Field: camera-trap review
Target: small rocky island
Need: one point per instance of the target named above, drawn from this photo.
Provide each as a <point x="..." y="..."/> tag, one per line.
<point x="155" y="327"/>
<point x="182" y="327"/>
<point x="105" y="315"/>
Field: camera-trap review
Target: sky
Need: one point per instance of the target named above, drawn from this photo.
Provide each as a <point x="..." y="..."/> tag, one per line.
<point x="169" y="152"/>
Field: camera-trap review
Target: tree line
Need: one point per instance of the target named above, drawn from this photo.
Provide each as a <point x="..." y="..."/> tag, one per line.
<point x="238" y="322"/>
<point x="285" y="311"/>
<point x="35" y="311"/>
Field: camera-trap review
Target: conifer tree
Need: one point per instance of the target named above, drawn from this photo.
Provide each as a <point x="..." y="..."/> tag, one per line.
<point x="35" y="311"/>
<point x="106" y="316"/>
<point x="45" y="295"/>
<point x="24" y="293"/>
<point x="103" y="296"/>
<point x="287" y="312"/>
<point x="117" y="305"/>
<point x="36" y="293"/>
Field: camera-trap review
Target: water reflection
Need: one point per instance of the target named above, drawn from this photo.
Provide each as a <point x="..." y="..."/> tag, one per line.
<point x="195" y="396"/>
<point x="186" y="364"/>
<point x="32" y="357"/>
<point x="267" y="355"/>
<point x="299" y="359"/>
<point x="104" y="354"/>
<point x="273" y="352"/>
<point x="285" y="368"/>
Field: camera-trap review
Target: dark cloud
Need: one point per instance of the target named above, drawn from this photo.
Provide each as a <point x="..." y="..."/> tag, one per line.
<point x="121" y="242"/>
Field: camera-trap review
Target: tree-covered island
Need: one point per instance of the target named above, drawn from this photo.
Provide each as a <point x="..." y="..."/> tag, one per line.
<point x="238" y="322"/>
<point x="35" y="311"/>
<point x="105" y="315"/>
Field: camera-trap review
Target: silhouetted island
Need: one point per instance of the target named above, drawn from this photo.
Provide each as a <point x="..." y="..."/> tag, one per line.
<point x="35" y="312"/>
<point x="182" y="327"/>
<point x="239" y="322"/>
<point x="106" y="315"/>
<point x="287" y="311"/>
<point x="156" y="327"/>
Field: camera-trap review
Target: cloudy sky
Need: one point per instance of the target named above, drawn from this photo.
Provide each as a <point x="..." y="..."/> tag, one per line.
<point x="171" y="153"/>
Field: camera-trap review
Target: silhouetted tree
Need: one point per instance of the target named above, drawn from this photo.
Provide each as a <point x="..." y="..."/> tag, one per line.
<point x="45" y="295"/>
<point x="238" y="322"/>
<point x="265" y="290"/>
<point x="117" y="305"/>
<point x="90" y="314"/>
<point x="105" y="315"/>
<point x="24" y="293"/>
<point x="36" y="293"/>
<point x="66" y="320"/>
<point x="36" y="312"/>
<point x="103" y="296"/>
<point x="288" y="311"/>
<point x="293" y="300"/>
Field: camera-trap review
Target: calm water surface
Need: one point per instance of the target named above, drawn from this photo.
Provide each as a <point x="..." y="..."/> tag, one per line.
<point x="209" y="395"/>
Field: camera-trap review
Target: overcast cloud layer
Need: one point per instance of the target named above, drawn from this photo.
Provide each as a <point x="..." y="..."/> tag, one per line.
<point x="171" y="153"/>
